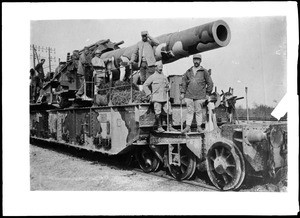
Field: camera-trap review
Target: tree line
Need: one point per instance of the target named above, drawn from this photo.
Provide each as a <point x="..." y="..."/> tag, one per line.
<point x="258" y="112"/>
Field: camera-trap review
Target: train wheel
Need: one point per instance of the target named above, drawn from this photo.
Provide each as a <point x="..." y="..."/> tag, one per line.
<point x="226" y="167"/>
<point x="146" y="159"/>
<point x="187" y="166"/>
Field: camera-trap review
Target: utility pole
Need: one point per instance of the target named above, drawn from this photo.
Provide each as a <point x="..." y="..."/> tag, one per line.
<point x="246" y="90"/>
<point x="49" y="49"/>
<point x="33" y="56"/>
<point x="50" y="57"/>
<point x="40" y="52"/>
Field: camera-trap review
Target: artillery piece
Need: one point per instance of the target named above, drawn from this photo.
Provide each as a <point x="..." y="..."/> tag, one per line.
<point x="172" y="47"/>
<point x="228" y="151"/>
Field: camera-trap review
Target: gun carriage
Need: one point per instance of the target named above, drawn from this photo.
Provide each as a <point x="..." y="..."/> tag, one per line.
<point x="229" y="150"/>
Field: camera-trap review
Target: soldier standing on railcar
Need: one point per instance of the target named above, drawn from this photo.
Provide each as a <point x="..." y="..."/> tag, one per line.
<point x="146" y="59"/>
<point x="99" y="70"/>
<point x="34" y="85"/>
<point x="40" y="69"/>
<point x="159" y="86"/>
<point x="83" y="63"/>
<point x="196" y="85"/>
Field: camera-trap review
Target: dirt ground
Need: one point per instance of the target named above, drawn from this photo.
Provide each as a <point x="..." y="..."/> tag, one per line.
<point x="61" y="171"/>
<point x="52" y="170"/>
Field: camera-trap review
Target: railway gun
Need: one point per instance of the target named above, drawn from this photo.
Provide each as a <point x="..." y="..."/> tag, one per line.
<point x="229" y="150"/>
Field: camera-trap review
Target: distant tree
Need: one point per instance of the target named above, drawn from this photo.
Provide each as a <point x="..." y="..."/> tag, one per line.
<point x="241" y="112"/>
<point x="262" y="111"/>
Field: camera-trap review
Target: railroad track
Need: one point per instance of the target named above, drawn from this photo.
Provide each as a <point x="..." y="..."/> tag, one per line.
<point x="113" y="162"/>
<point x="163" y="174"/>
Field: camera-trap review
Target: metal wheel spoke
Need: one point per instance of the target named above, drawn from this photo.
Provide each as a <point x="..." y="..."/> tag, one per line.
<point x="229" y="173"/>
<point x="216" y="152"/>
<point x="222" y="151"/>
<point x="231" y="165"/>
<point x="225" y="178"/>
<point x="228" y="156"/>
<point x="184" y="161"/>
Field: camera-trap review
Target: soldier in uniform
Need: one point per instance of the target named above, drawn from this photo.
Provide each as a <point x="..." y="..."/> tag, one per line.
<point x="83" y="63"/>
<point x="99" y="69"/>
<point x="39" y="68"/>
<point x="34" y="85"/>
<point x="75" y="60"/>
<point x="196" y="85"/>
<point x="145" y="53"/>
<point x="59" y="67"/>
<point x="160" y="86"/>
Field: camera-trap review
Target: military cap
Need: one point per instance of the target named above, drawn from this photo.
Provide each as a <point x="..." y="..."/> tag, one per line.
<point x="197" y="56"/>
<point x="144" y="33"/>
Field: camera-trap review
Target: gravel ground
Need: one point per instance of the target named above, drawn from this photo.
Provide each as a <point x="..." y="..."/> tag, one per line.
<point x="61" y="170"/>
<point x="52" y="170"/>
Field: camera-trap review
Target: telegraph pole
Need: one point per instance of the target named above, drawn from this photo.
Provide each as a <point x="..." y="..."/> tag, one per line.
<point x="33" y="56"/>
<point x="246" y="90"/>
<point x="49" y="59"/>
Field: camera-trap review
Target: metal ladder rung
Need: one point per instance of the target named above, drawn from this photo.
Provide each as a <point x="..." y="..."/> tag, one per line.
<point x="174" y="157"/>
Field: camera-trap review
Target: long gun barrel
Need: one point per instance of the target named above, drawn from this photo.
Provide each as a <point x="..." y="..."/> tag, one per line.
<point x="100" y="42"/>
<point x="174" y="46"/>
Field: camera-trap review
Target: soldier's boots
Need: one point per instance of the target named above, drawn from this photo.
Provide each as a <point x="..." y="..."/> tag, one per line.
<point x="187" y="129"/>
<point x="171" y="128"/>
<point x="158" y="121"/>
<point x="199" y="129"/>
<point x="85" y="98"/>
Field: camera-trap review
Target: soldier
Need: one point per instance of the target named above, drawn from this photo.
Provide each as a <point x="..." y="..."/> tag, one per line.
<point x="34" y="85"/>
<point x="196" y="84"/>
<point x="146" y="59"/>
<point x="159" y="86"/>
<point x="99" y="69"/>
<point x="39" y="68"/>
<point x="83" y="63"/>
<point x="59" y="67"/>
<point x="74" y="59"/>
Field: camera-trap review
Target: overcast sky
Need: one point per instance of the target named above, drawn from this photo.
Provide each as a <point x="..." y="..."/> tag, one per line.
<point x="255" y="56"/>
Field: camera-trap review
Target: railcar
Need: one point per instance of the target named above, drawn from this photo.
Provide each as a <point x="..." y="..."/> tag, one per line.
<point x="229" y="150"/>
